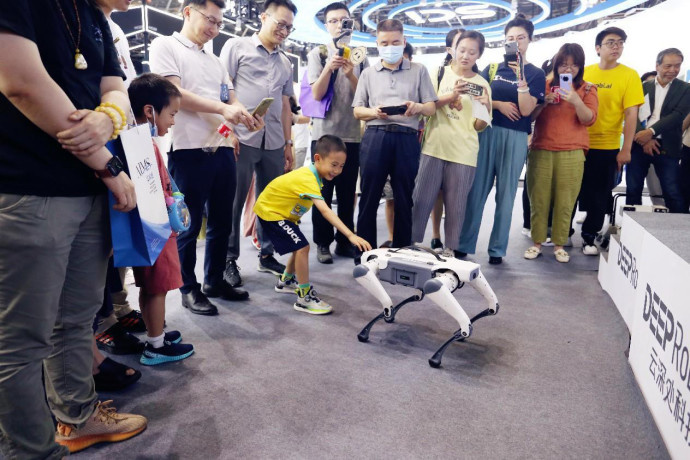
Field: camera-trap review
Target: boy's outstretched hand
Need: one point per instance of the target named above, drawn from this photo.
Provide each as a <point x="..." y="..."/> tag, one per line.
<point x="360" y="243"/>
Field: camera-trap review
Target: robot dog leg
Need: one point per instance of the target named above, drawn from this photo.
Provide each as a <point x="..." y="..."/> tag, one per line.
<point x="366" y="275"/>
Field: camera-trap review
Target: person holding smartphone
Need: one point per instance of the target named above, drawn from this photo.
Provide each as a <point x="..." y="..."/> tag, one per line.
<point x="342" y="74"/>
<point x="556" y="157"/>
<point x="516" y="88"/>
<point x="449" y="151"/>
<point x="390" y="145"/>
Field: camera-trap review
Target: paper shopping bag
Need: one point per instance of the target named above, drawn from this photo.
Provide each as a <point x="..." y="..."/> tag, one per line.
<point x="139" y="235"/>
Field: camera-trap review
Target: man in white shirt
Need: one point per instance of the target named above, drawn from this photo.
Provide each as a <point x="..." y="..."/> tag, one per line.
<point x="206" y="179"/>
<point x="658" y="140"/>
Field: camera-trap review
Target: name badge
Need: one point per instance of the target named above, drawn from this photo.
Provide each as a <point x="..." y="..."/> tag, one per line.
<point x="224" y="92"/>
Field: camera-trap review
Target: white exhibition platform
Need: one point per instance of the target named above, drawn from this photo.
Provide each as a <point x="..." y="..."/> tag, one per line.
<point x="647" y="274"/>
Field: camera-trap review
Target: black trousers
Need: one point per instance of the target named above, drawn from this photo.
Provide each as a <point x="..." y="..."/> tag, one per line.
<point x="685" y="176"/>
<point x="598" y="181"/>
<point x="345" y="186"/>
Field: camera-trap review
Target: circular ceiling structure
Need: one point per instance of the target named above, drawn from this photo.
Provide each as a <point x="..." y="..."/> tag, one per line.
<point x="426" y="22"/>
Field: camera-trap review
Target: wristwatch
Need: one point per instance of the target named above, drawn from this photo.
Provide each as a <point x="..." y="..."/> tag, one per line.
<point x="112" y="168"/>
<point x="289" y="142"/>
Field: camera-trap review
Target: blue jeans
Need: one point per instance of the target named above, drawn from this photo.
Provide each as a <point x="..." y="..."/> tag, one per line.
<point x="667" y="169"/>
<point x="502" y="155"/>
<point x="206" y="180"/>
<point x="382" y="154"/>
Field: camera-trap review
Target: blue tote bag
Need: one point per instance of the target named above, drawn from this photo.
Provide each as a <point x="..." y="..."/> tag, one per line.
<point x="139" y="235"/>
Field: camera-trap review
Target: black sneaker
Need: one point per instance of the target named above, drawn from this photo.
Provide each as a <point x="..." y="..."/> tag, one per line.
<point x="436" y="244"/>
<point x="459" y="254"/>
<point x="232" y="273"/>
<point x="117" y="341"/>
<point x="495" y="260"/>
<point x="132" y="322"/>
<point x="323" y="255"/>
<point x="225" y="291"/>
<point x="270" y="265"/>
<point x="173" y="336"/>
<point x="386" y="244"/>
<point x="346" y="250"/>
<point x="167" y="353"/>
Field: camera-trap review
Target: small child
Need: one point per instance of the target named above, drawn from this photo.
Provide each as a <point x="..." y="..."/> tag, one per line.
<point x="284" y="201"/>
<point x="156" y="100"/>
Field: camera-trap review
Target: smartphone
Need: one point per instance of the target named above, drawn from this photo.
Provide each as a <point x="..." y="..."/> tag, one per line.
<point x="263" y="106"/>
<point x="511" y="52"/>
<point x="474" y="89"/>
<point x="394" y="109"/>
<point x="566" y="81"/>
<point x="347" y="24"/>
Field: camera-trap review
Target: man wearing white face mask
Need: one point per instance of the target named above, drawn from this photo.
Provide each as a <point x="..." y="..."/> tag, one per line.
<point x="390" y="98"/>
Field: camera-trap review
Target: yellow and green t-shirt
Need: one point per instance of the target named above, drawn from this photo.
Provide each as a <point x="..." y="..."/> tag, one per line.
<point x="618" y="89"/>
<point x="289" y="196"/>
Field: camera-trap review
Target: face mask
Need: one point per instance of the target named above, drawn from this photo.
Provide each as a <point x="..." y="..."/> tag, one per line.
<point x="153" y="127"/>
<point x="391" y="54"/>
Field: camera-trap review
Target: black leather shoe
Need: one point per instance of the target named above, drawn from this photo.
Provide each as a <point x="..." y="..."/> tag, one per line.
<point x="459" y="254"/>
<point x="345" y="250"/>
<point x="232" y="273"/>
<point x="494" y="260"/>
<point x="323" y="255"/>
<point x="225" y="292"/>
<point x="198" y="303"/>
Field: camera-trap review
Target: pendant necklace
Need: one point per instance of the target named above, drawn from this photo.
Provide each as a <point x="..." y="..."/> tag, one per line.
<point x="79" y="60"/>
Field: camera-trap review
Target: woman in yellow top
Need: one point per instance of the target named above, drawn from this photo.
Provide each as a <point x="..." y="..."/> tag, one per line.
<point x="449" y="151"/>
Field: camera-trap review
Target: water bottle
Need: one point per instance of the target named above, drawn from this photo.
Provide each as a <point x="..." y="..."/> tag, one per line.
<point x="217" y="138"/>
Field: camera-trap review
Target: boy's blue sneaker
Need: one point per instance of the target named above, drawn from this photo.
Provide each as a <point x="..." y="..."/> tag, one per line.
<point x="169" y="352"/>
<point x="289" y="286"/>
<point x="173" y="337"/>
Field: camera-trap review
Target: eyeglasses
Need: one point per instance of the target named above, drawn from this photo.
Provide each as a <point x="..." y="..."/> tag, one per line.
<point x="281" y="25"/>
<point x="335" y="21"/>
<point x="614" y="43"/>
<point x="210" y="20"/>
<point x="568" y="67"/>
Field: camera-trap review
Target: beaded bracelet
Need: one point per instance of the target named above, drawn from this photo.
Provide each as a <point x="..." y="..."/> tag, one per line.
<point x="113" y="111"/>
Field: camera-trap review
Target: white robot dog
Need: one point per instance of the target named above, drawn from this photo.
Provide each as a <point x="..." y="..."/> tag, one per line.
<point x="434" y="275"/>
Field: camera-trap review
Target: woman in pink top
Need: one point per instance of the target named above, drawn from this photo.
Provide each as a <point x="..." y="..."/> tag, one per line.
<point x="557" y="153"/>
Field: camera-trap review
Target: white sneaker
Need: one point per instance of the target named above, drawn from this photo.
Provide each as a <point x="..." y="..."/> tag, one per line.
<point x="527" y="232"/>
<point x="590" y="250"/>
<point x="548" y="242"/>
<point x="289" y="286"/>
<point x="311" y="304"/>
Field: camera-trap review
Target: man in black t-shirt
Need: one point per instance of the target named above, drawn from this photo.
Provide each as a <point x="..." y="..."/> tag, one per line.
<point x="57" y="64"/>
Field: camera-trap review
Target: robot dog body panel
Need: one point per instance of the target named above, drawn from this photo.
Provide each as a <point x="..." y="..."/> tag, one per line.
<point x="436" y="276"/>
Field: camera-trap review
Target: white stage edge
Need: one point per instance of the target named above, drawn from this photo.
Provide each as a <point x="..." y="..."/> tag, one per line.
<point x="647" y="275"/>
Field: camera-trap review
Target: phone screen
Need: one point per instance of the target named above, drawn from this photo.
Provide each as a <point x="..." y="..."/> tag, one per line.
<point x="263" y="106"/>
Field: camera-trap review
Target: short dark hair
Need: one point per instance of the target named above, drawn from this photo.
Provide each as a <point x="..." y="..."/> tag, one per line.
<point x="150" y="88"/>
<point x="520" y="21"/>
<point x="576" y="52"/>
<point x="219" y="3"/>
<point x="609" y="31"/>
<point x="389" y="25"/>
<point x="335" y="6"/>
<point x="328" y="144"/>
<point x="409" y="49"/>
<point x="646" y="75"/>
<point x="666" y="52"/>
<point x="278" y="3"/>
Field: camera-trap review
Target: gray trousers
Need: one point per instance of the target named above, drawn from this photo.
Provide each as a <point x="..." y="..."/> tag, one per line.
<point x="267" y="164"/>
<point x="455" y="180"/>
<point x="53" y="260"/>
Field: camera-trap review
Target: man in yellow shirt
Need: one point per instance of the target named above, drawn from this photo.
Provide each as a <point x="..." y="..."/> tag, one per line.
<point x="620" y="95"/>
<point x="284" y="201"/>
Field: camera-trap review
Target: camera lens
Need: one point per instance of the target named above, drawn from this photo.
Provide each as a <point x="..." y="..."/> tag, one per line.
<point x="565" y="78"/>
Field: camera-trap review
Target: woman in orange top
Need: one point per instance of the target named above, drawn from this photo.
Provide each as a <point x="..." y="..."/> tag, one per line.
<point x="556" y="158"/>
